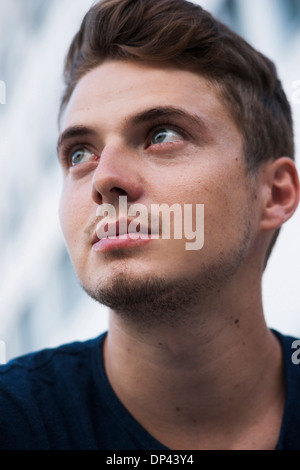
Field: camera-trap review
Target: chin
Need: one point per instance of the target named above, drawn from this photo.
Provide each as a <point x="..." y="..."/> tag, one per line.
<point x="149" y="300"/>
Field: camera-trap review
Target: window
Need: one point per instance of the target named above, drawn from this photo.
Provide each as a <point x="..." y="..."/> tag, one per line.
<point x="293" y="8"/>
<point x="290" y="11"/>
<point x="34" y="12"/>
<point x="228" y="13"/>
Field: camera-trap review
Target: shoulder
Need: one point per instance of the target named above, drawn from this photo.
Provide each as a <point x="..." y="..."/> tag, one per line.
<point x="54" y="359"/>
<point x="290" y="346"/>
<point x="290" y="429"/>
<point x="34" y="387"/>
<point x="291" y="351"/>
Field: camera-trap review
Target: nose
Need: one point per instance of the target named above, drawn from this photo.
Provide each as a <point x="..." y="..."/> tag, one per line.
<point x="116" y="175"/>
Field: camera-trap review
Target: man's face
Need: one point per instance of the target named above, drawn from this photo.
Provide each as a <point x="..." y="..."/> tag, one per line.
<point x="157" y="135"/>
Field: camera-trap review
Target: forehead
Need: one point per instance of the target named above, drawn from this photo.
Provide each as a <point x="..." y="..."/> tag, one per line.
<point x="116" y="90"/>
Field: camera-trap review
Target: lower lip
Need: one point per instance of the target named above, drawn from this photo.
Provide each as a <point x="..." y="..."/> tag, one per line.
<point x="122" y="241"/>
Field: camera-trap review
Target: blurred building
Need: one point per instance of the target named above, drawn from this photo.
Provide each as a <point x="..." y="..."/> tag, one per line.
<point x="41" y="302"/>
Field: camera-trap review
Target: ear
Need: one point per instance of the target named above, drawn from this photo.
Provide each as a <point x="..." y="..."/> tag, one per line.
<point x="280" y="193"/>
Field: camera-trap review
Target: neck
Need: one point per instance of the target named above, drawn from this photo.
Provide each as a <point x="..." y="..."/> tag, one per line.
<point x="213" y="375"/>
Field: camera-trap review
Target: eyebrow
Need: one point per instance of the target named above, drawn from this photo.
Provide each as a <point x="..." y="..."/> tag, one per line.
<point x="165" y="112"/>
<point x="198" y="123"/>
<point x="75" y="131"/>
<point x="148" y="115"/>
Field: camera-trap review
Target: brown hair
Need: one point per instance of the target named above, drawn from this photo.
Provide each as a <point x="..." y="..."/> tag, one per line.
<point x="184" y="34"/>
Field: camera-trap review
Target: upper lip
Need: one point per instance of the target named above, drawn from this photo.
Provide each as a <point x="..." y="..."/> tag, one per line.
<point x="117" y="228"/>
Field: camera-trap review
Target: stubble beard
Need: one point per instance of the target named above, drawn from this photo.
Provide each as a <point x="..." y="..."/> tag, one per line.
<point x="153" y="300"/>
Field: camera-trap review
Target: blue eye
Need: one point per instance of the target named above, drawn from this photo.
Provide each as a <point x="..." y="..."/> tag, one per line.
<point x="163" y="136"/>
<point x="81" y="156"/>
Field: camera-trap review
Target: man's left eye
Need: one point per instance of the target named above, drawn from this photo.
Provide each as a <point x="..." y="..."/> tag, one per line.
<point x="163" y="136"/>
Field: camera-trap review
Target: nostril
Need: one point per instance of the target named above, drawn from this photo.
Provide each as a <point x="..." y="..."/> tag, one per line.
<point x="120" y="191"/>
<point x="98" y="198"/>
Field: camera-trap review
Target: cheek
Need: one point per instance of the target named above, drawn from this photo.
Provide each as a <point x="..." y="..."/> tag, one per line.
<point x="73" y="213"/>
<point x="66" y="217"/>
<point x="225" y="198"/>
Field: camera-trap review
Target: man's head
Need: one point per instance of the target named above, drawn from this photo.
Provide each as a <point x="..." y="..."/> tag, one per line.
<point x="183" y="34"/>
<point x="131" y="65"/>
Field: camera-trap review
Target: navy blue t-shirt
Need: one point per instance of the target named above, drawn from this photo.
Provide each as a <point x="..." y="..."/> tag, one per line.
<point x="61" y="399"/>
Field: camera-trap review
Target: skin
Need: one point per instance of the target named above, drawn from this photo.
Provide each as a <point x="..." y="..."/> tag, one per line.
<point x="205" y="372"/>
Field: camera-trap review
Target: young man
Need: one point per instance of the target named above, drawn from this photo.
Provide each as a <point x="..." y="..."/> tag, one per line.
<point x="164" y="105"/>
